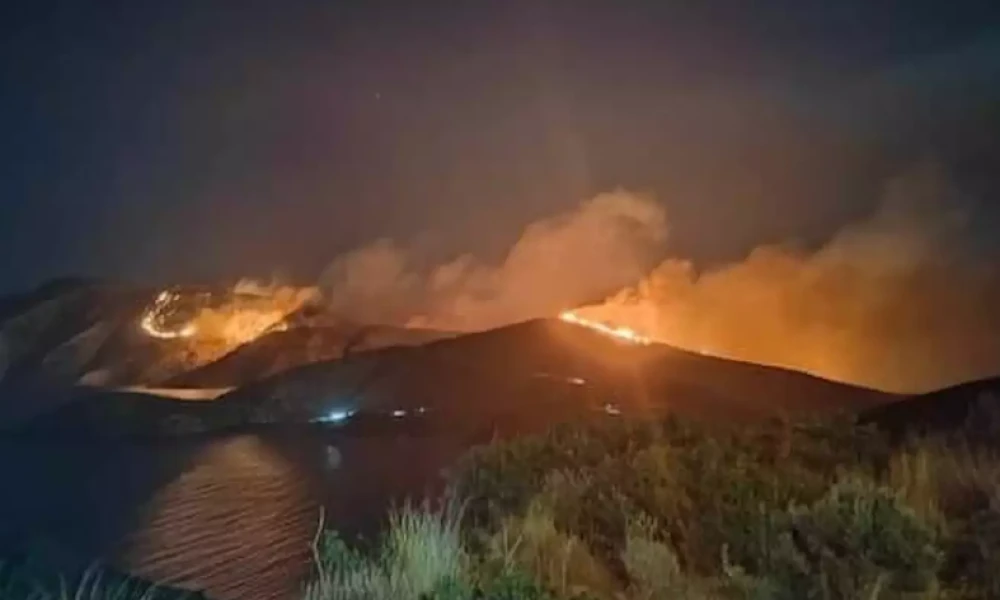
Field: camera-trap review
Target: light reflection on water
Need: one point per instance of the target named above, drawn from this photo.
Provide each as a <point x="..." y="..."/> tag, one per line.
<point x="242" y="509"/>
<point x="233" y="516"/>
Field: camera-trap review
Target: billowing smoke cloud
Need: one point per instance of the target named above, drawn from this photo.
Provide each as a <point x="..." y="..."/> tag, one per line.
<point x="901" y="301"/>
<point x="608" y="242"/>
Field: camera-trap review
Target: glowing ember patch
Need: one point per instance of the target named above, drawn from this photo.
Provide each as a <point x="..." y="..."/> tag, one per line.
<point x="621" y="333"/>
<point x="242" y="316"/>
<point x="152" y="320"/>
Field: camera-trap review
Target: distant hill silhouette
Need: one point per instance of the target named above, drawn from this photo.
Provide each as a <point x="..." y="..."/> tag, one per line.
<point x="972" y="409"/>
<point x="60" y="330"/>
<point x="11" y="304"/>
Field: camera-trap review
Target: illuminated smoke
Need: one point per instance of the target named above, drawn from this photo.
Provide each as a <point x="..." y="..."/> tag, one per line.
<point x="252" y="309"/>
<point x="248" y="311"/>
<point x="605" y="243"/>
<point x="901" y="300"/>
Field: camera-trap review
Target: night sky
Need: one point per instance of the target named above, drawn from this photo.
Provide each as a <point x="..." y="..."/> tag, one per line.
<point x="184" y="140"/>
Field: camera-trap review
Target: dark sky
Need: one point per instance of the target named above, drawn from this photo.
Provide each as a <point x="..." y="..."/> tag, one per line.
<point x="189" y="140"/>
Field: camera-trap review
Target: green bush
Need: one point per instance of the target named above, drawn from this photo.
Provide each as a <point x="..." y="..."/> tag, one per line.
<point x="637" y="511"/>
<point x="506" y="586"/>
<point x="973" y="560"/>
<point x="422" y="550"/>
<point x="705" y="488"/>
<point x="534" y="545"/>
<point x="652" y="566"/>
<point x="859" y="541"/>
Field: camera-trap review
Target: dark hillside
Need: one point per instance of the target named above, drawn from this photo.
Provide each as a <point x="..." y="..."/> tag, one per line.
<point x="521" y="368"/>
<point x="971" y="409"/>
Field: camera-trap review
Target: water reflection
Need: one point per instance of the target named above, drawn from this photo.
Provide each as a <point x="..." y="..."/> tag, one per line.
<point x="234" y="524"/>
<point x="234" y="516"/>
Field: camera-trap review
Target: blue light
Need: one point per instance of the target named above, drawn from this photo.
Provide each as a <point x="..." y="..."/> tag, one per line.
<point x="338" y="415"/>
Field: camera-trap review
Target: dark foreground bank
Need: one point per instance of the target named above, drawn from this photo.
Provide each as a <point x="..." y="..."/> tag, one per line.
<point x="673" y="510"/>
<point x="634" y="509"/>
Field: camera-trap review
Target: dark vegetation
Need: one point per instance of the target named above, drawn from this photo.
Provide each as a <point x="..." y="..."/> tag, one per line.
<point x="49" y="576"/>
<point x="668" y="509"/>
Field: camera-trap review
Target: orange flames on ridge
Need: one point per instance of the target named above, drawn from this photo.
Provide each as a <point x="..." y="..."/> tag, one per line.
<point x="624" y="334"/>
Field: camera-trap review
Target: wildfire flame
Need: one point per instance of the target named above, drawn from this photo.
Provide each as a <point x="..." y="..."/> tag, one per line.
<point x="250" y="311"/>
<point x="152" y="320"/>
<point x="624" y="334"/>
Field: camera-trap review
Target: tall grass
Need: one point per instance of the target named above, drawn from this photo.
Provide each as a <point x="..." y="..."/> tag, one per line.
<point x="560" y="561"/>
<point x="421" y="551"/>
<point x="94" y="584"/>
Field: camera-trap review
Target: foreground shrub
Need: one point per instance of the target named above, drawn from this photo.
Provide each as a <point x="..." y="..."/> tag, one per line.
<point x="652" y="566"/>
<point x="957" y="488"/>
<point x="944" y="480"/>
<point x="973" y="561"/>
<point x="643" y="511"/>
<point x="703" y="489"/>
<point x="506" y="586"/>
<point x="422" y="550"/>
<point x="421" y="556"/>
<point x="858" y="541"/>
<point x="533" y="545"/>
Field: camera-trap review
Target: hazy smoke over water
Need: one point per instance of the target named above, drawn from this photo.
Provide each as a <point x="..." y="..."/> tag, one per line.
<point x="900" y="301"/>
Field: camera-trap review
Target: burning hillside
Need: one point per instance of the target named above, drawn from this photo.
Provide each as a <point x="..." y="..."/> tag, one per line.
<point x="902" y="301"/>
<point x="623" y="334"/>
<point x="208" y="325"/>
<point x="155" y="320"/>
<point x="111" y="335"/>
<point x="896" y="302"/>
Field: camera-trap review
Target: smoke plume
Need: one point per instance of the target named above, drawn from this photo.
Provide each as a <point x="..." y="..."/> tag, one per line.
<point x="604" y="244"/>
<point x="901" y="301"/>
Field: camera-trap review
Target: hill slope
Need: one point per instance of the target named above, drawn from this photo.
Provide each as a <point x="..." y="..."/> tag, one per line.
<point x="317" y="365"/>
<point x="283" y="350"/>
<point x="970" y="408"/>
<point x="531" y="373"/>
<point x="78" y="331"/>
<point x="515" y="379"/>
